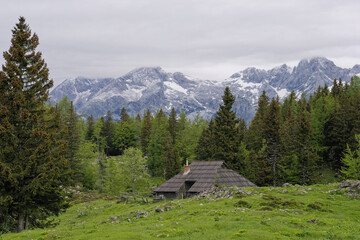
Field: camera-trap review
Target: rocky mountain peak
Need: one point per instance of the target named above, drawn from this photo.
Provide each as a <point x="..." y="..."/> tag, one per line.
<point x="152" y="88"/>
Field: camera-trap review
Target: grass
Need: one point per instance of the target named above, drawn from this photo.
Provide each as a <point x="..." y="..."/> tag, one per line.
<point x="298" y="212"/>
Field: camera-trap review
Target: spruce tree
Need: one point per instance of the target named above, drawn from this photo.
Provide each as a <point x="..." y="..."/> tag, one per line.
<point x="272" y="136"/>
<point x="306" y="153"/>
<point x="156" y="142"/>
<point x="170" y="157"/>
<point x="136" y="126"/>
<point x="124" y="116"/>
<point x="255" y="134"/>
<point x="145" y="132"/>
<point x="173" y="125"/>
<point x="322" y="107"/>
<point x="90" y="132"/>
<point x="225" y="131"/>
<point x="108" y="132"/>
<point x="32" y="164"/>
<point x="73" y="139"/>
<point x="206" y="145"/>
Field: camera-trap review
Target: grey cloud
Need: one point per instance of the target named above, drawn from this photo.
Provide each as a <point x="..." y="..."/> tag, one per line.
<point x="203" y="38"/>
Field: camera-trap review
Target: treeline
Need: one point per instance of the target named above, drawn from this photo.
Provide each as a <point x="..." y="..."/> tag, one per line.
<point x="299" y="141"/>
<point x="166" y="142"/>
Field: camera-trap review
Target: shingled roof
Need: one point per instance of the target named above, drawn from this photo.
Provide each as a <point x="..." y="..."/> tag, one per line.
<point x="204" y="175"/>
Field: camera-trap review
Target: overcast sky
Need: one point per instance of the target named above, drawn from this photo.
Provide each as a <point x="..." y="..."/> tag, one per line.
<point x="206" y="39"/>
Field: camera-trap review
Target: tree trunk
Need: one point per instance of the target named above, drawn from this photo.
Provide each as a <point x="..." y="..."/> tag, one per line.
<point x="21" y="221"/>
<point x="27" y="222"/>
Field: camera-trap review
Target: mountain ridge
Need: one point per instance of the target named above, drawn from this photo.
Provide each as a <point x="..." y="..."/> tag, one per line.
<point x="152" y="88"/>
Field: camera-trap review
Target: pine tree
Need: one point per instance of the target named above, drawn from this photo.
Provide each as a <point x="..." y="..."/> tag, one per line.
<point x="289" y="140"/>
<point x="173" y="125"/>
<point x="124" y="116"/>
<point x="206" y="145"/>
<point x="136" y="126"/>
<point x="145" y="132"/>
<point x="322" y="107"/>
<point x="108" y="132"/>
<point x="241" y="130"/>
<point x="225" y="132"/>
<point x="306" y="153"/>
<point x="272" y="137"/>
<point x="255" y="134"/>
<point x="32" y="166"/>
<point x="73" y="139"/>
<point x="90" y="128"/>
<point x="170" y="157"/>
<point x="156" y="142"/>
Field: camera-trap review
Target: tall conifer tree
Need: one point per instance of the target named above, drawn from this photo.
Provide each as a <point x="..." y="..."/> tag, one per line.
<point x="156" y="142"/>
<point x="108" y="131"/>
<point x="73" y="139"/>
<point x="306" y="152"/>
<point x="206" y="145"/>
<point x="173" y="124"/>
<point x="124" y="116"/>
<point x="90" y="132"/>
<point x="225" y="131"/>
<point x="255" y="134"/>
<point x="145" y="132"/>
<point x="170" y="157"/>
<point x="272" y="137"/>
<point x="31" y="161"/>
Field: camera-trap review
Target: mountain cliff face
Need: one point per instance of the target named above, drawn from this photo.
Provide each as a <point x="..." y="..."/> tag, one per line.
<point x="153" y="88"/>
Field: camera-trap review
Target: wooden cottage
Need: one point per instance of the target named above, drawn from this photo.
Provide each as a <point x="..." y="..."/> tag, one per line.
<point x="200" y="176"/>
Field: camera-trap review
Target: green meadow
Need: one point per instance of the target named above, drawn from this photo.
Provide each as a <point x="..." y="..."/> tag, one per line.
<point x="295" y="212"/>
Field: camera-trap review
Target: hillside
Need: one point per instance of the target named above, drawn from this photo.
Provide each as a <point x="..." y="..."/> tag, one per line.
<point x="292" y="212"/>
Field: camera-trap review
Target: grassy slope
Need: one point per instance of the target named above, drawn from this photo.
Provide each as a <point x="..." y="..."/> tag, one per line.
<point x="280" y="213"/>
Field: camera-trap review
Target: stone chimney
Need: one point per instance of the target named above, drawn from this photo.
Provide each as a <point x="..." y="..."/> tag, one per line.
<point x="186" y="168"/>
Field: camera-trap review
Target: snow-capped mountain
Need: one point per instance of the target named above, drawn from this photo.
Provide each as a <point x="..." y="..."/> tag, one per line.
<point x="153" y="88"/>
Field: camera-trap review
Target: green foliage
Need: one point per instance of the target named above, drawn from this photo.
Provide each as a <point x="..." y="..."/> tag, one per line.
<point x="127" y="173"/>
<point x="146" y="131"/>
<point x="32" y="163"/>
<point x="124" y="136"/>
<point x="322" y="107"/>
<point x="188" y="137"/>
<point x="206" y="145"/>
<point x="225" y="130"/>
<point x="170" y="157"/>
<point x="351" y="161"/>
<point x="71" y="133"/>
<point x="124" y="116"/>
<point x="158" y="132"/>
<point x="272" y="136"/>
<point x="90" y="128"/>
<point x="255" y="134"/>
<point x="88" y="165"/>
<point x="108" y="134"/>
<point x="173" y="125"/>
